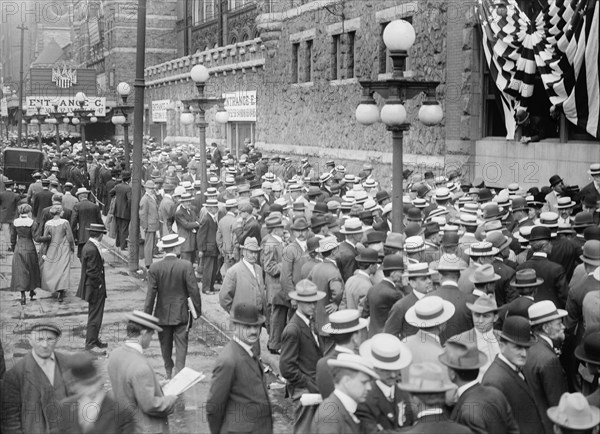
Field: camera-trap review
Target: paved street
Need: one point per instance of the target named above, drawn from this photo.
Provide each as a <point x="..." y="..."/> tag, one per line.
<point x="125" y="293"/>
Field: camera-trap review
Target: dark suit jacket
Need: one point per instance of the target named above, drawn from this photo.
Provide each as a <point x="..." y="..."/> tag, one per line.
<point x="299" y="356"/>
<point x="251" y="228"/>
<point x="378" y="303"/>
<point x="186" y="220"/>
<point x="84" y="213"/>
<point x="324" y="377"/>
<point x="8" y="206"/>
<point x="238" y="400"/>
<point x="92" y="285"/>
<point x="546" y="378"/>
<point x="170" y="282"/>
<point x="555" y="286"/>
<point x="591" y="191"/>
<point x="40" y="201"/>
<point x="504" y="292"/>
<point x="437" y="424"/>
<point x="395" y="324"/>
<point x="462" y="320"/>
<point x="112" y="418"/>
<point x="484" y="410"/>
<point x="346" y="260"/>
<point x="122" y="193"/>
<point x="291" y="268"/>
<point x="377" y="410"/>
<point x="333" y="418"/>
<point x="518" y="394"/>
<point x="206" y="237"/>
<point x="45" y="217"/>
<point x="565" y="253"/>
<point x="518" y="306"/>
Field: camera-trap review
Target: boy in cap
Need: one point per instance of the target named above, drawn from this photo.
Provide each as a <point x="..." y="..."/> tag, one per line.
<point x="134" y="382"/>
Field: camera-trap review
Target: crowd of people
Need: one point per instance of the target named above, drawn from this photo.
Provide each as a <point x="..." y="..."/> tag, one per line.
<point x="481" y="313"/>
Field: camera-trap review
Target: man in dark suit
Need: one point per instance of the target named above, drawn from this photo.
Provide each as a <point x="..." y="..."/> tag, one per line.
<point x="207" y="246"/>
<point x="505" y="374"/>
<point x="41" y="200"/>
<point x="46" y="216"/>
<point x="171" y="282"/>
<point x="526" y="282"/>
<point x="427" y="384"/>
<point x="301" y="346"/>
<point x="110" y="184"/>
<point x="34" y="387"/>
<point x="92" y="285"/>
<point x="346" y="257"/>
<point x="543" y="371"/>
<point x="592" y="190"/>
<point x="336" y="414"/>
<point x="84" y="214"/>
<point x="9" y="200"/>
<point x="419" y="279"/>
<point x="238" y="380"/>
<point x="554" y="287"/>
<point x="122" y="194"/>
<point x="387" y="407"/>
<point x="216" y="157"/>
<point x="382" y="296"/>
<point x="483" y="409"/>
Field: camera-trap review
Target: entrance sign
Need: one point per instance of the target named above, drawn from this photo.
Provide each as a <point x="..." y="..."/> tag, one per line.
<point x="241" y="106"/>
<point x="159" y="110"/>
<point x="65" y="104"/>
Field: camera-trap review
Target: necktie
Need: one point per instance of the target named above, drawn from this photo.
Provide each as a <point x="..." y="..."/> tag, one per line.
<point x="313" y="329"/>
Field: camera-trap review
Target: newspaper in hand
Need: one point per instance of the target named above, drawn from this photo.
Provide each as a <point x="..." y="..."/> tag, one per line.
<point x="192" y="308"/>
<point x="185" y="379"/>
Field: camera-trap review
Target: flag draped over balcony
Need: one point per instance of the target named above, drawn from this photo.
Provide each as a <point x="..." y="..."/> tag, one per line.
<point x="561" y="45"/>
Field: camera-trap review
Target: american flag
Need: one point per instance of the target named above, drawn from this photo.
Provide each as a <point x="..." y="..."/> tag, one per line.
<point x="561" y="44"/>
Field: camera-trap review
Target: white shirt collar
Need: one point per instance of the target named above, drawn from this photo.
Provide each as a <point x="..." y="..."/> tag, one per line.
<point x="41" y="362"/>
<point x="418" y="294"/>
<point x="478" y="292"/>
<point x="548" y="340"/>
<point x="341" y="349"/>
<point x="95" y="242"/>
<point x="136" y="346"/>
<point x="171" y="254"/>
<point x="302" y="244"/>
<point x="363" y="273"/>
<point x="465" y="387"/>
<point x="351" y="243"/>
<point x="389" y="280"/>
<point x="277" y="237"/>
<point x="449" y="283"/>
<point x="349" y="404"/>
<point x="429" y="412"/>
<point x="541" y="254"/>
<point x="303" y="317"/>
<point x="387" y="391"/>
<point x="244" y="345"/>
<point x="508" y="362"/>
<point x="250" y="266"/>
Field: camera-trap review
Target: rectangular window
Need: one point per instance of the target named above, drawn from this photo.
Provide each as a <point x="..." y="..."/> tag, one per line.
<point x="309" y="60"/>
<point x="202" y="11"/>
<point x="295" y="63"/>
<point x="335" y="57"/>
<point x="350" y="55"/>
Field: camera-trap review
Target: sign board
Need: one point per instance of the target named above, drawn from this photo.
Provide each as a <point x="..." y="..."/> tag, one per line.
<point x="62" y="81"/>
<point x="3" y="107"/>
<point x="65" y="104"/>
<point x="241" y="106"/>
<point x="159" y="110"/>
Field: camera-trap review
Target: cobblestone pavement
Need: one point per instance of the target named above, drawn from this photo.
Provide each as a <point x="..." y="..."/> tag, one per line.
<point x="125" y="293"/>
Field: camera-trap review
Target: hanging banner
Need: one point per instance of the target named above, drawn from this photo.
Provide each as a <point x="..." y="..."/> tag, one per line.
<point x="241" y="106"/>
<point x="65" y="104"/>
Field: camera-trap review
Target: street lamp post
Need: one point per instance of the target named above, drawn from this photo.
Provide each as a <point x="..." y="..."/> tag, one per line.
<point x="37" y="118"/>
<point x="55" y="118"/>
<point x="398" y="37"/>
<point x="82" y="118"/>
<point x="200" y="75"/>
<point x="123" y="118"/>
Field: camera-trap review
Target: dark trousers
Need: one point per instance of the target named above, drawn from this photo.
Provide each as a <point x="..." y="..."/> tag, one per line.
<point x="79" y="249"/>
<point x="279" y="318"/>
<point x="122" y="232"/>
<point x="95" y="315"/>
<point x="209" y="272"/>
<point x="179" y="335"/>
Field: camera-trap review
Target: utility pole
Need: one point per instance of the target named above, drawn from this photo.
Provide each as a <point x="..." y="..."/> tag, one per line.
<point x="138" y="138"/>
<point x="20" y="109"/>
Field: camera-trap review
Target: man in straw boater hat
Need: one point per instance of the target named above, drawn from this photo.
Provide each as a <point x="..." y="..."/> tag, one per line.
<point x="206" y="239"/>
<point x="301" y="346"/>
<point x="419" y="280"/>
<point x="483" y="409"/>
<point x="345" y="328"/>
<point x="238" y="380"/>
<point x="134" y="382"/>
<point x="387" y="407"/>
<point x="353" y="231"/>
<point x="574" y="415"/>
<point x="428" y="384"/>
<point x="92" y="286"/>
<point x="33" y="388"/>
<point x="505" y="374"/>
<point x="480" y="253"/>
<point x="352" y="375"/>
<point x="543" y="370"/>
<point x="87" y="384"/>
<point x="171" y="282"/>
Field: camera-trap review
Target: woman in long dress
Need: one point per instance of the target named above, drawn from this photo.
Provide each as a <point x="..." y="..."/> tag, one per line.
<point x="25" y="266"/>
<point x="56" y="253"/>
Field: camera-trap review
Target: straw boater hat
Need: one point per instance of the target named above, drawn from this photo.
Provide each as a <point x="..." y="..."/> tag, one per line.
<point x="462" y="355"/>
<point x="326" y="244"/>
<point x="565" y="203"/>
<point x="306" y="291"/>
<point x="426" y="377"/>
<point x="414" y="244"/>
<point x="594" y="169"/>
<point x="352" y="226"/>
<point x="450" y="262"/>
<point x="170" y="241"/>
<point x="420" y="269"/>
<point x="353" y="362"/>
<point x="82" y="190"/>
<point x="544" y="311"/>
<point x="344" y="321"/>
<point x="385" y="351"/>
<point x="144" y="319"/>
<point x="429" y="312"/>
<point x="483" y="248"/>
<point x="574" y="412"/>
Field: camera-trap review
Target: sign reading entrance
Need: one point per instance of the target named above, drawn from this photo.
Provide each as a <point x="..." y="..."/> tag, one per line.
<point x="65" y="104"/>
<point x="159" y="110"/>
<point x="241" y="106"/>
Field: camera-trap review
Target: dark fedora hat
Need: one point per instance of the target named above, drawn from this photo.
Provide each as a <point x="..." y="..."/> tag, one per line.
<point x="381" y="196"/>
<point x="540" y="233"/>
<point x="247" y="314"/>
<point x="462" y="355"/>
<point x="485" y="195"/>
<point x="393" y="262"/>
<point x="554" y="180"/>
<point x="82" y="368"/>
<point x="375" y="237"/>
<point x="300" y="224"/>
<point x="368" y="255"/>
<point x="589" y="349"/>
<point x="526" y="278"/>
<point x="431" y="228"/>
<point x="317" y="221"/>
<point x="517" y="329"/>
<point x="583" y="220"/>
